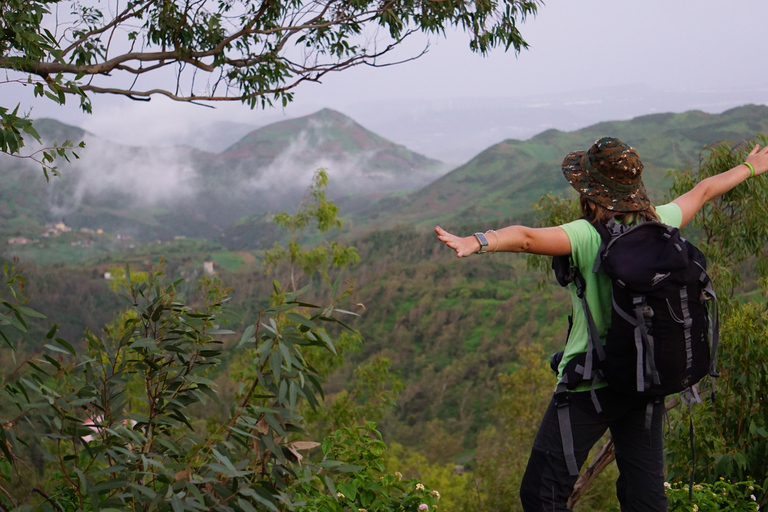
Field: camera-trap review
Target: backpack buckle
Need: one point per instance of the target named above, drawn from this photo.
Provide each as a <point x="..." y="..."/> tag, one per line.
<point x="562" y="399"/>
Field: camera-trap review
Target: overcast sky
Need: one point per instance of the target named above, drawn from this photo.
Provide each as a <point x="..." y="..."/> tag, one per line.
<point x="673" y="46"/>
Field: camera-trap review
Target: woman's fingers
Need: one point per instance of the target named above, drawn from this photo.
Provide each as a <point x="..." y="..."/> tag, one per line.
<point x="450" y="240"/>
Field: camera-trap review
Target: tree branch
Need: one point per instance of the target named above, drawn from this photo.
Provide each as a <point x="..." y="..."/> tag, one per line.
<point x="120" y="18"/>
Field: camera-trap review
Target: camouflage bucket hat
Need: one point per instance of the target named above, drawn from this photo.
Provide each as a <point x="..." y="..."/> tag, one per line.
<point x="609" y="173"/>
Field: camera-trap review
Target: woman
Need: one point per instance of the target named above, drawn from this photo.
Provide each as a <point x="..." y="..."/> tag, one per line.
<point x="608" y="179"/>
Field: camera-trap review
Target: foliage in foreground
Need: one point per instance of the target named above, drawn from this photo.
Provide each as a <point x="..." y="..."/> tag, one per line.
<point x="115" y="429"/>
<point x="720" y="495"/>
<point x="125" y="425"/>
<point x="731" y="432"/>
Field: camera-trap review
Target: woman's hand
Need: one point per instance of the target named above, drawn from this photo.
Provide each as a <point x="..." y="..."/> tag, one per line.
<point x="759" y="159"/>
<point x="464" y="246"/>
<point x="714" y="186"/>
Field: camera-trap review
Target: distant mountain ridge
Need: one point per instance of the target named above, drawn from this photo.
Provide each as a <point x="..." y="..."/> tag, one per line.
<point x="165" y="192"/>
<point x="504" y="180"/>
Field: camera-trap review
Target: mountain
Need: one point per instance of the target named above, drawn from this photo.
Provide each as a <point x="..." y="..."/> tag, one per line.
<point x="456" y="129"/>
<point x="284" y="155"/>
<point x="152" y="193"/>
<point x="504" y="180"/>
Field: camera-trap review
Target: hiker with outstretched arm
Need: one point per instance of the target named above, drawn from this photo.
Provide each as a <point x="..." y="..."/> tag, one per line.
<point x="612" y="195"/>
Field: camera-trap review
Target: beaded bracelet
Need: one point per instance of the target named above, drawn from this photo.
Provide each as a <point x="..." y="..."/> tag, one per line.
<point x="498" y="240"/>
<point x="751" y="169"/>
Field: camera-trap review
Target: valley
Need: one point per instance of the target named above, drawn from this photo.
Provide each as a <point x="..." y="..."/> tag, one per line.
<point x="204" y="214"/>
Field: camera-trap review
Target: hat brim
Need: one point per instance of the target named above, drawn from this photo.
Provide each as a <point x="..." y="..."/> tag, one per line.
<point x="586" y="185"/>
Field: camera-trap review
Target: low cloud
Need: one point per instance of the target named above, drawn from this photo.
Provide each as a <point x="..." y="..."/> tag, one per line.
<point x="141" y="177"/>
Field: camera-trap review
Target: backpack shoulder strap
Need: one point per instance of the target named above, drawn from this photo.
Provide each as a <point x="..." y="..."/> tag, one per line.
<point x="607" y="232"/>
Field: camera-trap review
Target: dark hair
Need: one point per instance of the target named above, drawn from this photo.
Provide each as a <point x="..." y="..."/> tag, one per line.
<point x="595" y="212"/>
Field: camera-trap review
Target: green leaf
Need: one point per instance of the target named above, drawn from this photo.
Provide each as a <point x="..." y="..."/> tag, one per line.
<point x="366" y="497"/>
<point x="147" y="343"/>
<point x="38" y="369"/>
<point x="4" y="444"/>
<point x="230" y="469"/>
<point x="326" y="339"/>
<point x="52" y="332"/>
<point x="286" y="355"/>
<point x="157" y="312"/>
<point x="176" y="504"/>
<point x="272" y="421"/>
<point x="261" y="495"/>
<point x="52" y="361"/>
<point x="103" y="487"/>
<point x="30" y="312"/>
<point x="220" y="332"/>
<point x="349" y="468"/>
<point x="349" y="490"/>
<point x="64" y="343"/>
<point x="248" y="335"/>
<point x="301" y="319"/>
<point x="246" y="505"/>
<point x="346" y="312"/>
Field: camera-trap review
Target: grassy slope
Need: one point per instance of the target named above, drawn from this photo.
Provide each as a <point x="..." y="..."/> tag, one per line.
<point x="505" y="179"/>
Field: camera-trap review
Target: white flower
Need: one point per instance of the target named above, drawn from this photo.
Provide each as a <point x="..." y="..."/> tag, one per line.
<point x="695" y="508"/>
<point x="753" y="497"/>
<point x="667" y="485"/>
<point x="419" y="487"/>
<point x="340" y="495"/>
<point x="423" y="506"/>
<point x="436" y="494"/>
<point x="398" y="475"/>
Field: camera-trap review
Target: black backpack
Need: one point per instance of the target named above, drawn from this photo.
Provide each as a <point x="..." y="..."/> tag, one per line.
<point x="662" y="338"/>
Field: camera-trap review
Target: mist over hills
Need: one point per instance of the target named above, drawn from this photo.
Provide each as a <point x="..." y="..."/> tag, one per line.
<point x="160" y="193"/>
<point x="149" y="192"/>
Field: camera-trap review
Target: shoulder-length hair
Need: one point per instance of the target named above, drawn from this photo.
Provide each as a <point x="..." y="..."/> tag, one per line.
<point x="595" y="212"/>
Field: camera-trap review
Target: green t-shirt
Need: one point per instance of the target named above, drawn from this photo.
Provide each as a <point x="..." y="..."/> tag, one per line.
<point x="585" y="242"/>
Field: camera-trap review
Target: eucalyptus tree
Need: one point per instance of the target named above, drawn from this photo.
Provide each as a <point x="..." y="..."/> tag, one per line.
<point x="251" y="51"/>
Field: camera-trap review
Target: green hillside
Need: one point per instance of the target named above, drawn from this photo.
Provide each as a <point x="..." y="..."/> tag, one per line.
<point x="450" y="327"/>
<point x="505" y="179"/>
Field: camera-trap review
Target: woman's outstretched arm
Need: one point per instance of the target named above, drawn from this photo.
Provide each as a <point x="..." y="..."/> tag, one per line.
<point x="706" y="190"/>
<point x="547" y="241"/>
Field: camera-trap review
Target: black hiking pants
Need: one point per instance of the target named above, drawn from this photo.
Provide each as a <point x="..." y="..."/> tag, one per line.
<point x="547" y="485"/>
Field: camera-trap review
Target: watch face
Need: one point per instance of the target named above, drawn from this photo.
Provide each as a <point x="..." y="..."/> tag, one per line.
<point x="483" y="242"/>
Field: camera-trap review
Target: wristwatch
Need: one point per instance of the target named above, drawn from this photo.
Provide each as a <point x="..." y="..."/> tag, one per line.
<point x="483" y="243"/>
